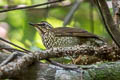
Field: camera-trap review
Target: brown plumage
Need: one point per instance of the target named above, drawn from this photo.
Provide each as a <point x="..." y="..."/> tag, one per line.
<point x="73" y="32"/>
<point x="65" y="36"/>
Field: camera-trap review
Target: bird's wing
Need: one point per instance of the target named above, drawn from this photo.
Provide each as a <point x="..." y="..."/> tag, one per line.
<point x="73" y="32"/>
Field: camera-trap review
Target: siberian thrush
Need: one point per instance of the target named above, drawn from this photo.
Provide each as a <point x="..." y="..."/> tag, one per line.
<point x="65" y="36"/>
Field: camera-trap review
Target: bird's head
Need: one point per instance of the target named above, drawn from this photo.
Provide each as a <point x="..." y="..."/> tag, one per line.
<point x="42" y="27"/>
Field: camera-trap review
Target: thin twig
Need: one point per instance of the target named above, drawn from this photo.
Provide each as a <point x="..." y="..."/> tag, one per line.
<point x="25" y="50"/>
<point x="72" y="11"/>
<point x="12" y="50"/>
<point x="6" y="10"/>
<point x="63" y="66"/>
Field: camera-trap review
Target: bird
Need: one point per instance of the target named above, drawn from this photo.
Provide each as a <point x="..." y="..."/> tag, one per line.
<point x="65" y="36"/>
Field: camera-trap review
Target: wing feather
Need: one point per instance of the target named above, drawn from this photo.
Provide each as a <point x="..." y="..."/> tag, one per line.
<point x="73" y="32"/>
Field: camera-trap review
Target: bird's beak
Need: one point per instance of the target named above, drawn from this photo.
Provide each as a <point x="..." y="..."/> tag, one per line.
<point x="33" y="24"/>
<point x="36" y="26"/>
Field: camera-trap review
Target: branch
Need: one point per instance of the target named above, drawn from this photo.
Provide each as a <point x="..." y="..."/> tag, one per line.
<point x="27" y="7"/>
<point x="91" y="14"/>
<point x="108" y="21"/>
<point x="41" y="71"/>
<point x="13" y="68"/>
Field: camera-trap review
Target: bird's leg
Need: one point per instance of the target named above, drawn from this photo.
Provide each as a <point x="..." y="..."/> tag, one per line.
<point x="72" y="59"/>
<point x="77" y="59"/>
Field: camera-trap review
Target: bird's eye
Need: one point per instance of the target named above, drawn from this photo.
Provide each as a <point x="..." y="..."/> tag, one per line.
<point x="41" y="24"/>
<point x="45" y="25"/>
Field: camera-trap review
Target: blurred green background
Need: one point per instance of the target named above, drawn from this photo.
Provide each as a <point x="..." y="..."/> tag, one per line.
<point x="14" y="24"/>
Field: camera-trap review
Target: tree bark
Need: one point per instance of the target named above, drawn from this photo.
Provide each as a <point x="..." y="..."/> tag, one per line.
<point x="41" y="71"/>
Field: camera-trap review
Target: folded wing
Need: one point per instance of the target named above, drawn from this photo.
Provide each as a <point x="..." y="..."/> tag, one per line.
<point x="73" y="32"/>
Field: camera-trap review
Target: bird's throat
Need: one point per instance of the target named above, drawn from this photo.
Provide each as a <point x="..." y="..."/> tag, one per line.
<point x="48" y="39"/>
